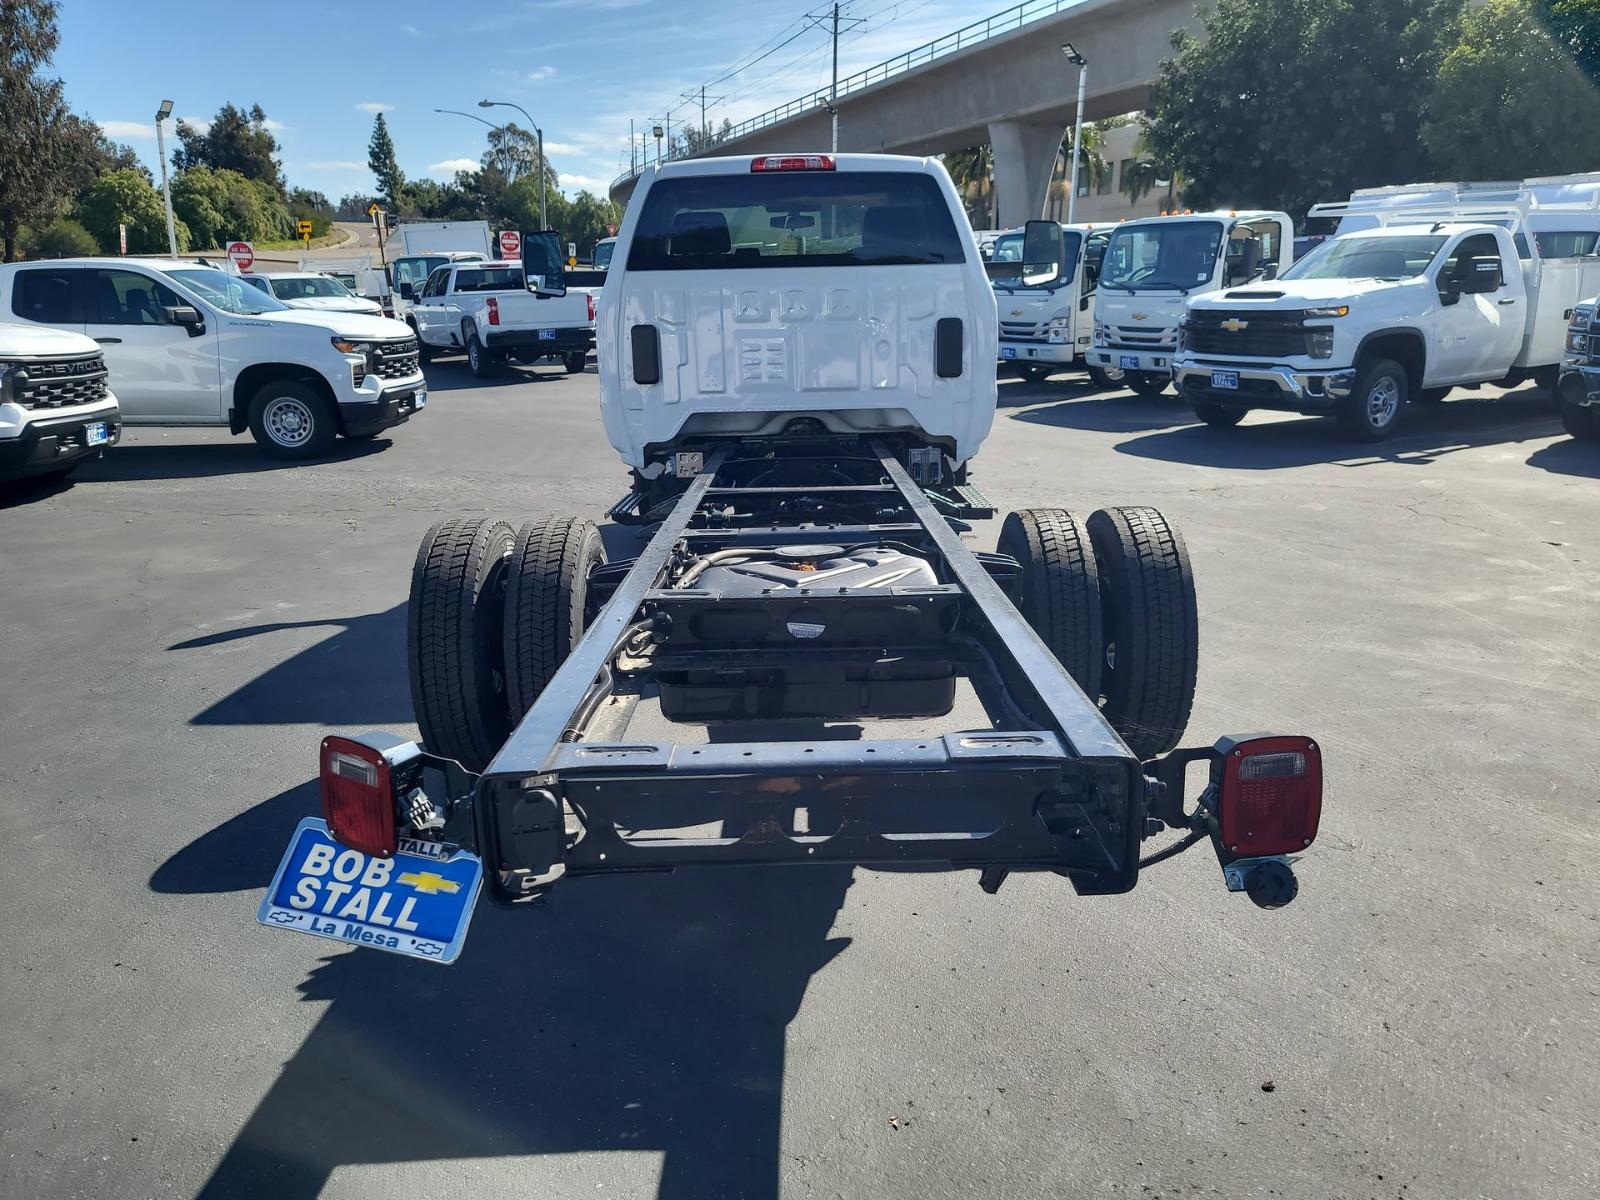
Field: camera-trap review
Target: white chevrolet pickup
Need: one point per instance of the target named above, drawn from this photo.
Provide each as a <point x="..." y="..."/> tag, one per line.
<point x="1373" y="320"/>
<point x="55" y="408"/>
<point x="187" y="344"/>
<point x="486" y="310"/>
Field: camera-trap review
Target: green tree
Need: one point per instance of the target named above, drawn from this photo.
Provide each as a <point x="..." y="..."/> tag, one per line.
<point x="1144" y="172"/>
<point x="127" y="197"/>
<point x="308" y="205"/>
<point x="237" y="140"/>
<point x="1506" y="101"/>
<point x="972" y="171"/>
<point x="1575" y="26"/>
<point x="385" y="166"/>
<point x="44" y="148"/>
<point x="63" y="238"/>
<point x="514" y="152"/>
<point x="1287" y="102"/>
<point x="219" y="206"/>
<point x="353" y="206"/>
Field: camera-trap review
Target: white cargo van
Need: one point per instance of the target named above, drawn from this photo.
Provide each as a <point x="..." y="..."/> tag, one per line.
<point x="726" y="314"/>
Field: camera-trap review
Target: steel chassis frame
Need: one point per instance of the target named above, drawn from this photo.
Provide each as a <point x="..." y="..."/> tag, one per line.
<point x="1056" y="790"/>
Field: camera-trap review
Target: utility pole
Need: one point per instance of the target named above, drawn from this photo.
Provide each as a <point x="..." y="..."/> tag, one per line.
<point x="834" y="23"/>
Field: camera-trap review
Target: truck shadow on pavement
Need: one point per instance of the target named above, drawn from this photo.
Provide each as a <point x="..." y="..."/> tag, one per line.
<point x="1107" y="412"/>
<point x="1570" y="457"/>
<point x="202" y="460"/>
<point x="452" y="375"/>
<point x="635" y="1014"/>
<point x="357" y="676"/>
<point x="1430" y="432"/>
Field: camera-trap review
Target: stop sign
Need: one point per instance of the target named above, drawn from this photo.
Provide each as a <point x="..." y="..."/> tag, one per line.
<point x="241" y="254"/>
<point x="510" y="243"/>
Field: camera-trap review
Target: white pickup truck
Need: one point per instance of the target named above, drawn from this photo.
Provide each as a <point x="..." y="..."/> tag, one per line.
<point x="486" y="311"/>
<point x="189" y="345"/>
<point x="56" y="410"/>
<point x="1153" y="265"/>
<point x="1046" y="322"/>
<point x="1400" y="312"/>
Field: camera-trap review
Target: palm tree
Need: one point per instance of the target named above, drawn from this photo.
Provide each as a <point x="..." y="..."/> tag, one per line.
<point x="1145" y="173"/>
<point x="972" y="171"/>
<point x="1092" y="164"/>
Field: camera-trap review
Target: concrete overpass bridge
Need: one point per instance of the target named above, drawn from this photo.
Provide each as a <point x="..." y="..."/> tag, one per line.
<point x="1002" y="80"/>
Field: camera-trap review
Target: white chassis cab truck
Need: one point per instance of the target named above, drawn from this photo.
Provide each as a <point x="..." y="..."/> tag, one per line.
<point x="1417" y="299"/>
<point x="1153" y="265"/>
<point x="1046" y="324"/>
<point x="189" y="345"/>
<point x="797" y="363"/>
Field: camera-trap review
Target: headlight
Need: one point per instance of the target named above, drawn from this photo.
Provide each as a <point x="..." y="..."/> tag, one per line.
<point x="1321" y="341"/>
<point x="351" y="346"/>
<point x="1183" y="335"/>
<point x="1578" y="342"/>
<point x="1099" y="332"/>
<point x="12" y="378"/>
<point x="1582" y="318"/>
<point x="1337" y="310"/>
<point x="1060" y="328"/>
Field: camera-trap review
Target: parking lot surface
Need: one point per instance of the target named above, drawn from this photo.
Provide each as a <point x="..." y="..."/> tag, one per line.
<point x="183" y="623"/>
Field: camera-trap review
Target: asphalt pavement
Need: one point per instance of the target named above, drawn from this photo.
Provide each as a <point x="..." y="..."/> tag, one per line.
<point x="182" y="623"/>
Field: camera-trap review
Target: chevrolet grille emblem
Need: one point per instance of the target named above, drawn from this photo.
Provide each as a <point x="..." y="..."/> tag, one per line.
<point x="1234" y="325"/>
<point x="1016" y="312"/>
<point x="1140" y="316"/>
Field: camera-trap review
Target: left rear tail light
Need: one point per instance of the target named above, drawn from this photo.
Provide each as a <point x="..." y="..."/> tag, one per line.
<point x="1270" y="799"/>
<point x="493" y="306"/>
<point x="358" y="796"/>
<point x="591" y="306"/>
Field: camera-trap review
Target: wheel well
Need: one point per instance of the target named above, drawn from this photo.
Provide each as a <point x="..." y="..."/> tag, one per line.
<point x="1405" y="348"/>
<point x="257" y="375"/>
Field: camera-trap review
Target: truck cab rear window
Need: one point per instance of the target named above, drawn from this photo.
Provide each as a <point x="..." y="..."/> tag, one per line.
<point x="794" y="219"/>
<point x="489" y="279"/>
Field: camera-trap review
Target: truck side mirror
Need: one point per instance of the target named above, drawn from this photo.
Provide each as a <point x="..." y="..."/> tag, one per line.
<point x="407" y="291"/>
<point x="1041" y="253"/>
<point x="543" y="267"/>
<point x="186" y="315"/>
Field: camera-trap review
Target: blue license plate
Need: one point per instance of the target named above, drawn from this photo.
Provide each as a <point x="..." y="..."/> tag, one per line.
<point x="94" y="434"/>
<point x="1130" y="362"/>
<point x="417" y="903"/>
<point x="1228" y="380"/>
<point x="547" y="335"/>
<point x="419" y="399"/>
<point x="1008" y="351"/>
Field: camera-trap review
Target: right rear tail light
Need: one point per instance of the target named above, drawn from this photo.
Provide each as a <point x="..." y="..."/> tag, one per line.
<point x="1270" y="798"/>
<point x="358" y="796"/>
<point x="493" y="306"/>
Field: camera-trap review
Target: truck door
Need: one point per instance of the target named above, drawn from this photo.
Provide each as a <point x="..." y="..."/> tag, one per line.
<point x="159" y="371"/>
<point x="1477" y="333"/>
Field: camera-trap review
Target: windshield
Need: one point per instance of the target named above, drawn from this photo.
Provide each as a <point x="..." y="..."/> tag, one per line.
<point x="1178" y="255"/>
<point x="602" y="255"/>
<point x="227" y="292"/>
<point x="309" y="288"/>
<point x="1007" y="248"/>
<point x="416" y="270"/>
<point x="794" y="219"/>
<point x="1368" y="258"/>
<point x="1011" y="244"/>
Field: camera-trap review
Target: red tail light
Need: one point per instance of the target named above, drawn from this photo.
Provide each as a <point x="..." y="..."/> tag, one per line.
<point x="591" y="306"/>
<point x="493" y="306"/>
<point x="792" y="162"/>
<point x="1270" y="800"/>
<point x="357" y="796"/>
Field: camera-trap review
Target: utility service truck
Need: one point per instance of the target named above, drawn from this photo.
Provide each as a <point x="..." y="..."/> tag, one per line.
<point x="1424" y="288"/>
<point x="1151" y="268"/>
<point x="804" y="664"/>
<point x="1046" y="323"/>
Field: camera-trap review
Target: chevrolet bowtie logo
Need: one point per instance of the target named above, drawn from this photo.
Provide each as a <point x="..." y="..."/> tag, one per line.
<point x="1016" y="312"/>
<point x="1140" y="316"/>
<point x="1234" y="325"/>
<point x="430" y="883"/>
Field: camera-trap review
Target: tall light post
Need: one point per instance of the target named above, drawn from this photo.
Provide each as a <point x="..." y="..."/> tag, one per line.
<point x="162" y="114"/>
<point x="543" y="222"/>
<point x="1082" y="64"/>
<point x="656" y="129"/>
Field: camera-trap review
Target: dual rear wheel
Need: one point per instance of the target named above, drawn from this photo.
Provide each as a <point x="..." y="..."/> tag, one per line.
<point x="1114" y="601"/>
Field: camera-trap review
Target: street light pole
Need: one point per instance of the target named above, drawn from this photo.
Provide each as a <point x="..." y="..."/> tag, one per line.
<point x="544" y="222"/>
<point x="1077" y="126"/>
<point x="162" y="114"/>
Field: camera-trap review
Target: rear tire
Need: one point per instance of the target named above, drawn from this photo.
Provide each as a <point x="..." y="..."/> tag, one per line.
<point x="1059" y="593"/>
<point x="1152" y="627"/>
<point x="1107" y="379"/>
<point x="1375" y="405"/>
<point x="1219" y="416"/>
<point x="547" y="596"/>
<point x="575" y="362"/>
<point x="1146" y="384"/>
<point x="292" y="420"/>
<point x="1580" y="420"/>
<point x="480" y="362"/>
<point x="453" y="632"/>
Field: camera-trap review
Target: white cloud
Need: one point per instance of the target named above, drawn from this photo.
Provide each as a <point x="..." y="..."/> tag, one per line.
<point x="581" y="181"/>
<point x="539" y="73"/>
<point x="410" y="31"/>
<point x="566" y="148"/>
<point x="374" y="106"/>
<point x="274" y="126"/>
<point x="128" y="129"/>
<point x="451" y="165"/>
<point x="336" y="164"/>
<point x="198" y="124"/>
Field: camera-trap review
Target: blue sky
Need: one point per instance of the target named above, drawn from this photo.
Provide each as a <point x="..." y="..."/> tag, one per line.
<point x="581" y="67"/>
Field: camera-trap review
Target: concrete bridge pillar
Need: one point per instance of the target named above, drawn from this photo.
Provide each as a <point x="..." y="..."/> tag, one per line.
<point x="1024" y="157"/>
